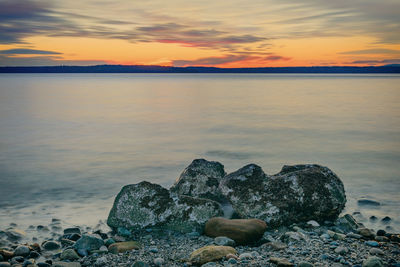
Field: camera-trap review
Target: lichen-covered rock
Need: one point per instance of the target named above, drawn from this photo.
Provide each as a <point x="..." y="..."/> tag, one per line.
<point x="150" y="205"/>
<point x="210" y="253"/>
<point x="242" y="231"/>
<point x="298" y="193"/>
<point x="200" y="179"/>
<point x="140" y="205"/>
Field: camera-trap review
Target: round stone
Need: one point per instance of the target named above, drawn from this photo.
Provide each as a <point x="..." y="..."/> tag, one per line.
<point x="158" y="261"/>
<point x="51" y="245"/>
<point x="22" y="251"/>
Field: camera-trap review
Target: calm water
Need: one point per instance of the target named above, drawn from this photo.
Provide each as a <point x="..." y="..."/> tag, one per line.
<point x="69" y="142"/>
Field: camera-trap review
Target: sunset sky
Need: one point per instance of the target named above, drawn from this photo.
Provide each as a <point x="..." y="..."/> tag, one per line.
<point x="235" y="33"/>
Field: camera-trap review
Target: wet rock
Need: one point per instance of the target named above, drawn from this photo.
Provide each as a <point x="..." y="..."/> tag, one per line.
<point x="369" y="202"/>
<point x="305" y="264"/>
<point x="158" y="261"/>
<point x="33" y="255"/>
<point x="72" y="230"/>
<point x="4" y="264"/>
<point x="242" y="231"/>
<point x="366" y="233"/>
<point x="210" y="253"/>
<point x="245" y="256"/>
<point x="224" y="241"/>
<point x="200" y="179"/>
<point x="353" y="235"/>
<point x="145" y="204"/>
<point x="373" y="261"/>
<point x="7" y="254"/>
<point x="121" y="247"/>
<point x="381" y="232"/>
<point x="22" y="251"/>
<point x="15" y="234"/>
<point x="293" y="237"/>
<point x="296" y="194"/>
<point x="69" y="254"/>
<point x="375" y="251"/>
<point x="347" y="223"/>
<point x="312" y="223"/>
<point x="51" y="245"/>
<point x="89" y="242"/>
<point x="281" y="262"/>
<point x="386" y="219"/>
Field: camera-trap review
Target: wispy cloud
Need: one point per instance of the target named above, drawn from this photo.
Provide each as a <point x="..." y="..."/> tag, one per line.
<point x="45" y="61"/>
<point x="25" y="51"/>
<point x="377" y="62"/>
<point x="371" y="51"/>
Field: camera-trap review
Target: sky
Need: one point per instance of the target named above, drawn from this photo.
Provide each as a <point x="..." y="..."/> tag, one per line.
<point x="235" y="33"/>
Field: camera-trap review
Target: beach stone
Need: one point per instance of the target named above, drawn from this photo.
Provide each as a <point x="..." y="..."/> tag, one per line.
<point x="353" y="235"/>
<point x="146" y="205"/>
<point x="386" y="219"/>
<point x="200" y="179"/>
<point x="347" y="223"/>
<point x="43" y="264"/>
<point x="140" y="264"/>
<point x="373" y="261"/>
<point x="88" y="242"/>
<point x="366" y="233"/>
<point x="51" y="245"/>
<point x="381" y="232"/>
<point x="4" y="264"/>
<point x="210" y="253"/>
<point x="281" y="262"/>
<point x="66" y="264"/>
<point x="158" y="261"/>
<point x="381" y="238"/>
<point x="22" y="251"/>
<point x="368" y="202"/>
<point x="341" y="250"/>
<point x="245" y="256"/>
<point x="69" y="254"/>
<point x="312" y="223"/>
<point x="33" y="255"/>
<point x="305" y="264"/>
<point x="15" y="234"/>
<point x="101" y="261"/>
<point x="66" y="242"/>
<point x="293" y="237"/>
<point x="276" y="245"/>
<point x="7" y="254"/>
<point x="72" y="230"/>
<point x="224" y="241"/>
<point x="242" y="231"/>
<point x="121" y="247"/>
<point x="375" y="251"/>
<point x="372" y="243"/>
<point x="109" y="241"/>
<point x="298" y="193"/>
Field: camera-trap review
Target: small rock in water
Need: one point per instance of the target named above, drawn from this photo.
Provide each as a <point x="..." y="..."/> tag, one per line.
<point x="369" y="202"/>
<point x="72" y="230"/>
<point x="382" y="239"/>
<point x="22" y="251"/>
<point x="33" y="255"/>
<point x="373" y="218"/>
<point x="51" y="245"/>
<point x="386" y="219"/>
<point x="15" y="234"/>
<point x="224" y="241"/>
<point x="158" y="261"/>
<point x="373" y="261"/>
<point x="381" y="232"/>
<point x="366" y="233"/>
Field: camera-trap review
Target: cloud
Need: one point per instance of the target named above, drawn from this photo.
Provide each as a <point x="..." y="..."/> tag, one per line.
<point x="276" y="58"/>
<point x="371" y="51"/>
<point x="377" y="62"/>
<point x="210" y="61"/>
<point x="25" y="51"/>
<point x="45" y="61"/>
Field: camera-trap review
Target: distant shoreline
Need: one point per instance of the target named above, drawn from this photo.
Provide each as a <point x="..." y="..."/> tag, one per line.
<point x="162" y="69"/>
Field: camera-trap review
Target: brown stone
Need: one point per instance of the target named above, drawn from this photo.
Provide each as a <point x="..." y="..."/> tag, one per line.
<point x="210" y="253"/>
<point x="6" y="254"/>
<point x="243" y="231"/>
<point x="280" y="262"/>
<point x="366" y="233"/>
<point x="121" y="247"/>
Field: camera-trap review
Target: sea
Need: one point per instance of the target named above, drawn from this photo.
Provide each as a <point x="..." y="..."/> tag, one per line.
<point x="70" y="142"/>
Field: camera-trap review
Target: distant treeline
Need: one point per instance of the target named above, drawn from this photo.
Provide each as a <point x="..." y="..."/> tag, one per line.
<point x="161" y="69"/>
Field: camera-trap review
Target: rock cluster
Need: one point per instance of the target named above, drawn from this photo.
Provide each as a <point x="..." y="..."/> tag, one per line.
<point x="296" y="194"/>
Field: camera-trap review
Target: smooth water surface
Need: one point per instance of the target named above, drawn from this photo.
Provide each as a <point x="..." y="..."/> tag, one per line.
<point x="69" y="142"/>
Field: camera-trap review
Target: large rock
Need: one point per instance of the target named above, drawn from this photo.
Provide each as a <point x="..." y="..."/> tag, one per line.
<point x="298" y="193"/>
<point x="210" y="253"/>
<point x="243" y="231"/>
<point x="89" y="242"/>
<point x="200" y="179"/>
<point x="150" y="205"/>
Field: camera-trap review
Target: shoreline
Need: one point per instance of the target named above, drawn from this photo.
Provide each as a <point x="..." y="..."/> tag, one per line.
<point x="326" y="245"/>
